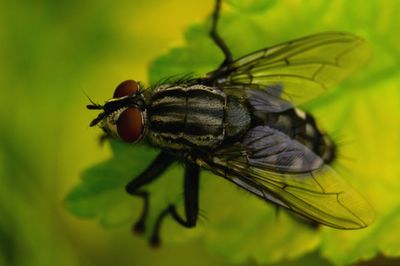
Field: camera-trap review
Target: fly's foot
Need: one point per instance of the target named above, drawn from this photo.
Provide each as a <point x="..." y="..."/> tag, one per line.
<point x="155" y="241"/>
<point x="139" y="228"/>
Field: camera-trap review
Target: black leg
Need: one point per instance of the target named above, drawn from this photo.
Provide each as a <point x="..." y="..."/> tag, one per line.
<point x="191" y="198"/>
<point x="156" y="168"/>
<point x="217" y="38"/>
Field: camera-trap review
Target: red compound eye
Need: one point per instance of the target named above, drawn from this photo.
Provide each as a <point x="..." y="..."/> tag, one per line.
<point x="128" y="87"/>
<point x="129" y="125"/>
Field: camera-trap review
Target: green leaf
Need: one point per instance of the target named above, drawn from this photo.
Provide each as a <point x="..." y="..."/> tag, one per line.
<point x="363" y="109"/>
<point x="251" y="6"/>
<point x="101" y="193"/>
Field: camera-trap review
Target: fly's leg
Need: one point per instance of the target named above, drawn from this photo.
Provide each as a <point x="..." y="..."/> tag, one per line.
<point x="217" y="38"/>
<point x="191" y="198"/>
<point x="156" y="168"/>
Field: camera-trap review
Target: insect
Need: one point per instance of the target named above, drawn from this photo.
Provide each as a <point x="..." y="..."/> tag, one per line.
<point x="242" y="123"/>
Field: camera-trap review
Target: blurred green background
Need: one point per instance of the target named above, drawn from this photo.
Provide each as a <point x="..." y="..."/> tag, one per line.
<point x="52" y="53"/>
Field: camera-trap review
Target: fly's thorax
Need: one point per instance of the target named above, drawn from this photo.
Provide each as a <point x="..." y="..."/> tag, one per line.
<point x="194" y="116"/>
<point x="237" y="118"/>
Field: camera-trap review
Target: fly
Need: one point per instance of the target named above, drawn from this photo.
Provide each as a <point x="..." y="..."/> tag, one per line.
<point x="241" y="123"/>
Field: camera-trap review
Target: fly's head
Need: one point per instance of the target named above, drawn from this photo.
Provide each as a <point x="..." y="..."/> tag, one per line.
<point x="123" y="116"/>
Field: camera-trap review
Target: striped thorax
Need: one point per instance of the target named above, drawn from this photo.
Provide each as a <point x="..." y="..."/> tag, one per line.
<point x="196" y="116"/>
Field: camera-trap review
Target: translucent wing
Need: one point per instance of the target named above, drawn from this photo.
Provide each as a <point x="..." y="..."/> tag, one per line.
<point x="300" y="69"/>
<point x="274" y="167"/>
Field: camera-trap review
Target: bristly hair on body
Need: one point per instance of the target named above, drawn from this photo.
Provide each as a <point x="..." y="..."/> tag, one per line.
<point x="179" y="79"/>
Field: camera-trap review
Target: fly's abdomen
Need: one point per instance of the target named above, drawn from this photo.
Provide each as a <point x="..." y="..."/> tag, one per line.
<point x="186" y="117"/>
<point x="301" y="126"/>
